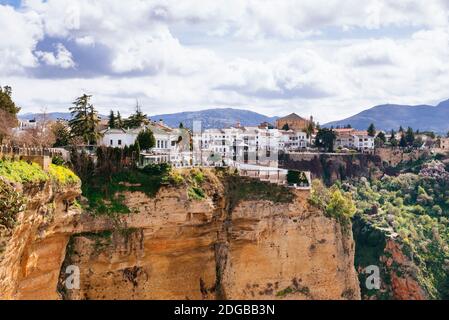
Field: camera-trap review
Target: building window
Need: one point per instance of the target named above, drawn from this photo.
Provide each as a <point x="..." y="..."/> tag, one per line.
<point x="112" y="142"/>
<point x="120" y="142"/>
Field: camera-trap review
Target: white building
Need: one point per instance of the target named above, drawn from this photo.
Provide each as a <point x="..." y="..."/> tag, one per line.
<point x="172" y="145"/>
<point x="354" y="139"/>
<point x="253" y="145"/>
<point x="293" y="140"/>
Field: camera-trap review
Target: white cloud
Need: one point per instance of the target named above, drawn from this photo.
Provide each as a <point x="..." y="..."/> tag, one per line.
<point x="62" y="58"/>
<point x="19" y="34"/>
<point x="328" y="58"/>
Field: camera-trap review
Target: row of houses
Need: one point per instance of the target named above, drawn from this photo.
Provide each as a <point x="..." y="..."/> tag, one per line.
<point x="258" y="145"/>
<point x="354" y="139"/>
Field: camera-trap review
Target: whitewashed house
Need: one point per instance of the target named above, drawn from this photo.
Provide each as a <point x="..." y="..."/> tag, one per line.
<point x="354" y="139"/>
<point x="236" y="144"/>
<point x="119" y="138"/>
<point x="172" y="145"/>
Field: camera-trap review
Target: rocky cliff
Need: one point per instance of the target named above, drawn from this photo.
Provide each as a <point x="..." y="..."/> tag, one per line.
<point x="224" y="245"/>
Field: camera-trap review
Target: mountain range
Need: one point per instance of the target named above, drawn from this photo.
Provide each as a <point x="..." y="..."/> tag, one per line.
<point x="385" y="117"/>
<point x="392" y="116"/>
<point x="215" y="118"/>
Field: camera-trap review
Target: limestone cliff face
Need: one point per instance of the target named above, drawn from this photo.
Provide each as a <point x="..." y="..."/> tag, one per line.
<point x="172" y="247"/>
<point x="29" y="268"/>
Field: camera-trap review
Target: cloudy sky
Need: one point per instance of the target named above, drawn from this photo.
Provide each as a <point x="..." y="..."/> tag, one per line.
<point x="329" y="58"/>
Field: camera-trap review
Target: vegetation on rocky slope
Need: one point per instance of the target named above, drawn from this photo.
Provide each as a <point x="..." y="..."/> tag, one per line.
<point x="412" y="209"/>
<point x="334" y="202"/>
<point x="22" y="172"/>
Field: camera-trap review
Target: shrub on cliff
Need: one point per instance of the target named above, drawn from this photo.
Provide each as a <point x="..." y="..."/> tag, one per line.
<point x="22" y="172"/>
<point x="333" y="202"/>
<point x="11" y="203"/>
<point x="63" y="176"/>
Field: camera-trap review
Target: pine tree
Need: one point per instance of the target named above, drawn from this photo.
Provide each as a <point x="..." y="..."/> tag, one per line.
<point x="137" y="119"/>
<point x="6" y="103"/>
<point x="84" y="120"/>
<point x="112" y="122"/>
<point x="393" y="140"/>
<point x="403" y="141"/>
<point x="181" y="125"/>
<point x="61" y="133"/>
<point x="118" y="120"/>
<point x="372" y="130"/>
<point x="410" y="136"/>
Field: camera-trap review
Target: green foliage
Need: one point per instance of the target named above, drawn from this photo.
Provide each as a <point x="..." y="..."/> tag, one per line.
<point x="6" y="103"/>
<point x="84" y="120"/>
<point x="325" y="139"/>
<point x="63" y="176"/>
<point x="334" y="202"/>
<point x="112" y="120"/>
<point x="286" y="127"/>
<point x="62" y="134"/>
<point x="57" y="160"/>
<point x="136" y="120"/>
<point x="146" y="139"/>
<point x="413" y="208"/>
<point x="372" y="130"/>
<point x="247" y="189"/>
<point x="105" y="193"/>
<point x="297" y="177"/>
<point x="11" y="203"/>
<point x="22" y="172"/>
<point x="196" y="193"/>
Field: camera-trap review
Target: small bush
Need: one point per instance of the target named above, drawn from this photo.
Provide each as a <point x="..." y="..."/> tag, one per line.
<point x="196" y="193"/>
<point x="63" y="176"/>
<point x="22" y="172"/>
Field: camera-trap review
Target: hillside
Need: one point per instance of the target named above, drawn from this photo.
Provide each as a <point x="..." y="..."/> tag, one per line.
<point x="215" y="118"/>
<point x="390" y="116"/>
<point x="212" y="118"/>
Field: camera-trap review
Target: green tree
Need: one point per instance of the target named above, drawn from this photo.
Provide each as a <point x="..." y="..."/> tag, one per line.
<point x="6" y="103"/>
<point x="8" y="112"/>
<point x="181" y="125"/>
<point x="118" y="120"/>
<point x="84" y="120"/>
<point x="310" y="130"/>
<point x="146" y="139"/>
<point x="410" y="136"/>
<point x="62" y="134"/>
<point x="112" y="120"/>
<point x="286" y="127"/>
<point x="372" y="130"/>
<point x="381" y="139"/>
<point x="137" y="119"/>
<point x="403" y="141"/>
<point x="393" y="141"/>
<point x="340" y="206"/>
<point x="325" y="138"/>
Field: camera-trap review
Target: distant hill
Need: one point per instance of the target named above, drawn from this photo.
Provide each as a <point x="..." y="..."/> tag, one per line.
<point x="214" y="118"/>
<point x="390" y="116"/>
<point x="50" y="116"/>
